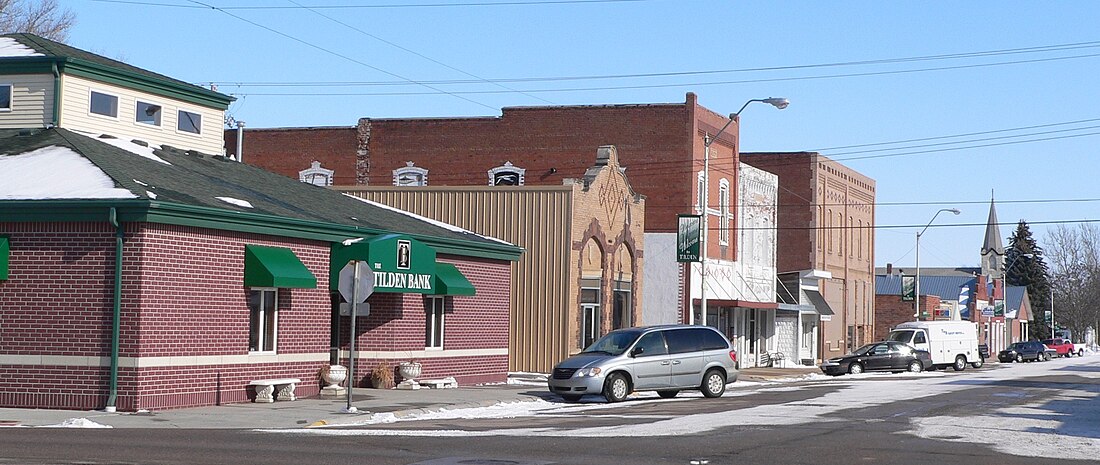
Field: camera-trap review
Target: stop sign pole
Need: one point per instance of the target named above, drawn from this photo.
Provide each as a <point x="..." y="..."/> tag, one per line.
<point x="357" y="297"/>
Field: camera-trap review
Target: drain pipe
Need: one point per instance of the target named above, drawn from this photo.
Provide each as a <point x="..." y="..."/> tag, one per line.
<point x="56" y="96"/>
<point x="117" y="309"/>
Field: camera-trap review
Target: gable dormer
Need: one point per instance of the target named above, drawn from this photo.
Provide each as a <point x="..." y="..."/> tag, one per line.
<point x="44" y="83"/>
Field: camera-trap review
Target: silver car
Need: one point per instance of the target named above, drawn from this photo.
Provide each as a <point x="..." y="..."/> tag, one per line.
<point x="666" y="359"/>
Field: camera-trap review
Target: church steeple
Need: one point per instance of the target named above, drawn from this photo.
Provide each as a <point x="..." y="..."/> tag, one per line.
<point x="993" y="252"/>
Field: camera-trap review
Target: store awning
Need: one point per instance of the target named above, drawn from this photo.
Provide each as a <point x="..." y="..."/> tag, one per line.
<point x="740" y="303"/>
<point x="450" y="281"/>
<point x="819" y="302"/>
<point x="4" y="251"/>
<point x="275" y="267"/>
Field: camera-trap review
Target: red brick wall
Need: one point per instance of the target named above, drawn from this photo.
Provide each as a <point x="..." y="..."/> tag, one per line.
<point x="288" y="151"/>
<point x="891" y="311"/>
<point x="397" y="324"/>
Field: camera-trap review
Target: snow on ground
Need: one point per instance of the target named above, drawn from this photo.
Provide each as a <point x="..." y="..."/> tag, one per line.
<point x="77" y="423"/>
<point x="55" y="173"/>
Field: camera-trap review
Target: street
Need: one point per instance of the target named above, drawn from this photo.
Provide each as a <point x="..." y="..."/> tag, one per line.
<point x="1005" y="414"/>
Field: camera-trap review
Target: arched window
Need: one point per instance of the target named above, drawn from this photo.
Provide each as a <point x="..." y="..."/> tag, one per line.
<point x="410" y="175"/>
<point x="316" y="175"/>
<point x="591" y="286"/>
<point x="506" y="175"/>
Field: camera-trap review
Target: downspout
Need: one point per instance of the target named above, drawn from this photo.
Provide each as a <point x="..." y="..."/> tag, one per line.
<point x="56" y="96"/>
<point x="117" y="311"/>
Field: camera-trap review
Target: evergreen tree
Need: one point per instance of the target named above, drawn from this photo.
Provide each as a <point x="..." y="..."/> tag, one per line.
<point x="1031" y="271"/>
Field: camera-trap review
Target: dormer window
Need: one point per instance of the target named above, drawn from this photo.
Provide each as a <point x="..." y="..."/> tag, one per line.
<point x="5" y="97"/>
<point x="316" y="175"/>
<point x="410" y="176"/>
<point x="148" y="113"/>
<point x="104" y="104"/>
<point x="506" y="175"/>
<point x="189" y="122"/>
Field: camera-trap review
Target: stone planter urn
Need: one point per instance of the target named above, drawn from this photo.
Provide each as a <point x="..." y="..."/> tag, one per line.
<point x="333" y="375"/>
<point x="409" y="371"/>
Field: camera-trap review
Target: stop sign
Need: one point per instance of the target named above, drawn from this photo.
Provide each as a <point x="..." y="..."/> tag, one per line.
<point x="348" y="286"/>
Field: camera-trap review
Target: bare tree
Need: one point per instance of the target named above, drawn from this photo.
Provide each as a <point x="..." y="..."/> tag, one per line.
<point x="42" y="17"/>
<point x="1075" y="276"/>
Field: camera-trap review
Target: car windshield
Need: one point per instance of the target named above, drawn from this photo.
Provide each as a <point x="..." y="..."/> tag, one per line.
<point x="615" y="342"/>
<point x="900" y="336"/>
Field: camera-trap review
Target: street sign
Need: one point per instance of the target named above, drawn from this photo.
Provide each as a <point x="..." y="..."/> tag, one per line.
<point x="348" y="285"/>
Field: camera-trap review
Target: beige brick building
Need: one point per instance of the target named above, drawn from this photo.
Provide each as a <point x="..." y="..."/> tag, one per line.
<point x="580" y="274"/>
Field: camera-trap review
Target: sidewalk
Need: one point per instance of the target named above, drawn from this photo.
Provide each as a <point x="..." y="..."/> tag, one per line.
<point x="320" y="411"/>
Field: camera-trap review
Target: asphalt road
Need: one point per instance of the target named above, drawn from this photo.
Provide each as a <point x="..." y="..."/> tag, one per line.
<point x="1033" y="413"/>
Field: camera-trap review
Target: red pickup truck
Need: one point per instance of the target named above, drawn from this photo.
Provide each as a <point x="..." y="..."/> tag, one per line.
<point x="1063" y="347"/>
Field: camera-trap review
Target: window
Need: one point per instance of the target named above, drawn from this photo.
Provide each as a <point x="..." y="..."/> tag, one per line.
<point x="5" y="97"/>
<point x="651" y="344"/>
<point x="590" y="314"/>
<point x="104" y="104"/>
<point x="506" y="175"/>
<point x="433" y="322"/>
<point x="148" y="113"/>
<point x="724" y="206"/>
<point x="700" y="188"/>
<point x="189" y="122"/>
<point x="410" y="176"/>
<point x="316" y="175"/>
<point x="263" y="320"/>
<point x="919" y="338"/>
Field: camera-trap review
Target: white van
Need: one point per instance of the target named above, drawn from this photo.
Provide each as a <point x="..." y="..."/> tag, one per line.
<point x="951" y="343"/>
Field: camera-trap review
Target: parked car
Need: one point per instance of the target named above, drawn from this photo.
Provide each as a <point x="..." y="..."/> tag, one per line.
<point x="666" y="359"/>
<point x="880" y="356"/>
<point x="1064" y="347"/>
<point x="1024" y="351"/>
<point x="1078" y="349"/>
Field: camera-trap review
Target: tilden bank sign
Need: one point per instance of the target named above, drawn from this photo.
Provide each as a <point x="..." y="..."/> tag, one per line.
<point x="393" y="280"/>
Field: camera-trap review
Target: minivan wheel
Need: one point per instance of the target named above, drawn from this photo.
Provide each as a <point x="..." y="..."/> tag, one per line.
<point x="960" y="363"/>
<point x="616" y="388"/>
<point x="916" y="366"/>
<point x="714" y="383"/>
<point x="570" y="397"/>
<point x="668" y="394"/>
<point x="855" y="368"/>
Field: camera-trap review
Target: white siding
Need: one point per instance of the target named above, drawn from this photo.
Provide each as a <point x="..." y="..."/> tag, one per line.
<point x="75" y="116"/>
<point x="32" y="101"/>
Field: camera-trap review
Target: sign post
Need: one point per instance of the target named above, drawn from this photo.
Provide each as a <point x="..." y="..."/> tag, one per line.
<point x="360" y="287"/>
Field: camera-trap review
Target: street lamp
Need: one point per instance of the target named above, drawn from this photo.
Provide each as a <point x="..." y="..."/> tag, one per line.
<point x="777" y="102"/>
<point x="916" y="301"/>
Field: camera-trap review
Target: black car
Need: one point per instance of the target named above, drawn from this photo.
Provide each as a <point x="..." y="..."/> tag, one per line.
<point x="1023" y="351"/>
<point x="879" y="356"/>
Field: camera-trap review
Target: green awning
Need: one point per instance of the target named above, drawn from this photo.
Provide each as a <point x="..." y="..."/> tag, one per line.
<point x="449" y="281"/>
<point x="4" y="251"/>
<point x="275" y="267"/>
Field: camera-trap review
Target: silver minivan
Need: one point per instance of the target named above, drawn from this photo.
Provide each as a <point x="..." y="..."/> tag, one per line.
<point x="666" y="359"/>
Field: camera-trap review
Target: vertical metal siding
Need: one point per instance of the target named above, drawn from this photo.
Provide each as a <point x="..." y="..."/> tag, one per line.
<point x="538" y="219"/>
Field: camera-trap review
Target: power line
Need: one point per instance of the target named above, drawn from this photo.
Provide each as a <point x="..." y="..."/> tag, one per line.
<point x="339" y="55"/>
<point x="886" y="227"/>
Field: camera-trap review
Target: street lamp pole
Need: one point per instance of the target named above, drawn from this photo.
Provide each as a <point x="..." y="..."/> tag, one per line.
<point x="777" y="102"/>
<point x="916" y="300"/>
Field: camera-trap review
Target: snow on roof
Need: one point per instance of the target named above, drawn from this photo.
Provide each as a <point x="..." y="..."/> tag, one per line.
<point x="237" y="202"/>
<point x="441" y="224"/>
<point x="55" y="173"/>
<point x="11" y="48"/>
<point x="133" y="148"/>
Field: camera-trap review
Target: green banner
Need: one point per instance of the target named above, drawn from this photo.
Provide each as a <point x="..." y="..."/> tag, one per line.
<point x="908" y="288"/>
<point x="688" y="233"/>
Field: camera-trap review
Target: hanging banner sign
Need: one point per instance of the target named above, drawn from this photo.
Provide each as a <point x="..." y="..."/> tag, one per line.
<point x="688" y="232"/>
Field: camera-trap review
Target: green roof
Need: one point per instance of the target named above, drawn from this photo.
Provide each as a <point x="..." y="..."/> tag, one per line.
<point x="78" y="62"/>
<point x="186" y="189"/>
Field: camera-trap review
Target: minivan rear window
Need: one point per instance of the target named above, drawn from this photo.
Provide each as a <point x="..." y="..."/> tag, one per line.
<point x="693" y="340"/>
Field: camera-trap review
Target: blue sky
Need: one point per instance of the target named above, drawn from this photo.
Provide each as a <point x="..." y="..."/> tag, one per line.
<point x="1042" y="76"/>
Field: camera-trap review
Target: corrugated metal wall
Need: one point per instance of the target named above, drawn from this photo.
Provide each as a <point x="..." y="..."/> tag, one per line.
<point x="537" y="218"/>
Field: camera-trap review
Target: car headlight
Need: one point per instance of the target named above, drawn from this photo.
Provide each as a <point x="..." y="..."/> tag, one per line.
<point x="589" y="372"/>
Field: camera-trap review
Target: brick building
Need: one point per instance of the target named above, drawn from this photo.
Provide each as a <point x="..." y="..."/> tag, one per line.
<point x="826" y="224"/>
<point x="660" y="145"/>
<point x="580" y="275"/>
<point x="142" y="275"/>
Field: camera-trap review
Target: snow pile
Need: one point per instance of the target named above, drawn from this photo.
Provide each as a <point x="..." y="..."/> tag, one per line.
<point x="11" y="48"/>
<point x="237" y="202"/>
<point x="77" y="423"/>
<point x="55" y="173"/>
